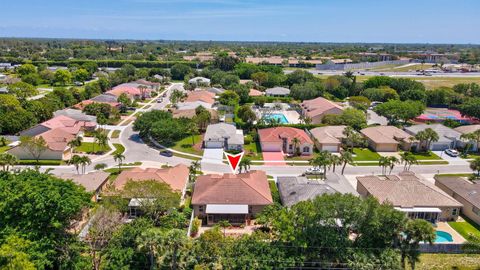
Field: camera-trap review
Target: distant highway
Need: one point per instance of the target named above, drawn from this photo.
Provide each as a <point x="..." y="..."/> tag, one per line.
<point x="391" y="74"/>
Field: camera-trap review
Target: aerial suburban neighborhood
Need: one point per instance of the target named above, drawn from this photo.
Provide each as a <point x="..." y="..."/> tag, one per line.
<point x="151" y="140"/>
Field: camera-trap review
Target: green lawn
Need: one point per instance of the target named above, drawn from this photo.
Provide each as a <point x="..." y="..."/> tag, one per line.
<point x="43" y="162"/>
<point x="185" y="145"/>
<point x="115" y="134"/>
<point x="427" y="156"/>
<point x="448" y="262"/>
<point x="119" y="148"/>
<point x="253" y="151"/>
<point x="274" y="191"/>
<point x="88" y="147"/>
<point x="465" y="228"/>
<point x="4" y="148"/>
<point x="365" y="154"/>
<point x="434" y="162"/>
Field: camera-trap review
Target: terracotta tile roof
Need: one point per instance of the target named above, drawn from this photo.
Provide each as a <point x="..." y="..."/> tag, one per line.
<point x="66" y="123"/>
<point x="406" y="190"/>
<point x="57" y="139"/>
<point x="255" y="93"/>
<point x="318" y="106"/>
<point x="129" y="90"/>
<point x="246" y="188"/>
<point x="176" y="177"/>
<point x="202" y="95"/>
<point x="190" y="113"/>
<point x="276" y="134"/>
<point x="329" y="134"/>
<point x="467" y="129"/>
<point x="83" y="104"/>
<point x="385" y="134"/>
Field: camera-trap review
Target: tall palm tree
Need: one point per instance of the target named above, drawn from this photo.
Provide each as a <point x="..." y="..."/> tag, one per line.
<point x="408" y="159"/>
<point x="323" y="160"/>
<point x="7" y="160"/>
<point x="101" y="138"/>
<point x="74" y="143"/>
<point x="475" y="165"/>
<point x="426" y="137"/>
<point x="75" y="160"/>
<point x="192" y="170"/>
<point x="118" y="157"/>
<point x="347" y="158"/>
<point x="84" y="161"/>
<point x="392" y="161"/>
<point x="336" y="160"/>
<point x="383" y="163"/>
<point x="192" y="129"/>
<point x="295" y="142"/>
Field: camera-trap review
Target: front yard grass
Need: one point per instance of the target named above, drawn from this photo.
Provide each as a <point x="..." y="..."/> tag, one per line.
<point x="119" y="148"/>
<point x="426" y="156"/>
<point x="465" y="228"/>
<point x="185" y="145"/>
<point x="365" y="154"/>
<point x="448" y="262"/>
<point x="253" y="150"/>
<point x="88" y="147"/>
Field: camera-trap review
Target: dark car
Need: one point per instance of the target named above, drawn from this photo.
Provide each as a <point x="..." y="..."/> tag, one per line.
<point x="166" y="153"/>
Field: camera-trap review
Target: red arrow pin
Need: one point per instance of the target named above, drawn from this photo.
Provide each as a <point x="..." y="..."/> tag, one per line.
<point x="234" y="160"/>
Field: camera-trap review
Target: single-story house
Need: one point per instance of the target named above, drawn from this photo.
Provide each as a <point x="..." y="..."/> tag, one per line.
<point x="93" y="182"/>
<point x="176" y="177"/>
<point x="152" y="85"/>
<point x="190" y="113"/>
<point x="415" y="197"/>
<point x="56" y="139"/>
<point x="447" y="137"/>
<point x="82" y="104"/>
<point x="202" y="95"/>
<point x="328" y="138"/>
<point x="281" y="139"/>
<point x="255" y="93"/>
<point x="105" y="98"/>
<point x="193" y="105"/>
<point x="464" y="191"/>
<point x="199" y="81"/>
<point x="63" y="122"/>
<point x="466" y="130"/>
<point x="277" y="92"/>
<point x="237" y="198"/>
<point x="215" y="90"/>
<point x="224" y="136"/>
<point x="317" y="108"/>
<point x="131" y="91"/>
<point x="386" y="138"/>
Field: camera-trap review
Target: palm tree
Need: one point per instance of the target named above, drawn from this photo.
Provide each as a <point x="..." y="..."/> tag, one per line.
<point x="347" y="158"/>
<point x="192" y="129"/>
<point x="468" y="137"/>
<point x="224" y="224"/>
<point x="74" y="143"/>
<point x="323" y="160"/>
<point x="392" y="161"/>
<point x="336" y="160"/>
<point x="75" y="160"/>
<point x="143" y="90"/>
<point x="475" y="165"/>
<point x="384" y="163"/>
<point x="102" y="139"/>
<point x="245" y="163"/>
<point x="84" y="161"/>
<point x="118" y="157"/>
<point x="192" y="170"/>
<point x="408" y="159"/>
<point x="295" y="142"/>
<point x="426" y="137"/>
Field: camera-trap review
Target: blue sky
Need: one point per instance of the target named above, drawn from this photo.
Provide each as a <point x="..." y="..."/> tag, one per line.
<point x="422" y="21"/>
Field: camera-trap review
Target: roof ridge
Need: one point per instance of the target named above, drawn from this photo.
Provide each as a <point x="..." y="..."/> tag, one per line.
<point x="243" y="180"/>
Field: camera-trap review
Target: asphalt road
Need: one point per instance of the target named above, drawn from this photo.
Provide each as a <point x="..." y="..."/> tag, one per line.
<point x="391" y="74"/>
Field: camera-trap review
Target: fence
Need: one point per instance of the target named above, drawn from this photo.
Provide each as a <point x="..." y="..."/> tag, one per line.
<point x="441" y="248"/>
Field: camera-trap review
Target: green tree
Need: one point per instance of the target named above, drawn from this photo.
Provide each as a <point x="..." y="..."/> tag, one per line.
<point x="35" y="146"/>
<point x="395" y="110"/>
<point x="475" y="165"/>
<point x="408" y="159"/>
<point x="75" y="160"/>
<point x="346" y="157"/>
<point x="80" y="75"/>
<point x="22" y="90"/>
<point x="179" y="71"/>
<point x="416" y="231"/>
<point x="84" y="162"/>
<point x="7" y="160"/>
<point x="224" y="224"/>
<point x="193" y="169"/>
<point x="426" y="137"/>
<point x="26" y="69"/>
<point x="13" y="254"/>
<point x="118" y="157"/>
<point x="100" y="166"/>
<point x="229" y="98"/>
<point x="246" y="114"/>
<point x="323" y="160"/>
<point x="62" y="77"/>
<point x="244" y="164"/>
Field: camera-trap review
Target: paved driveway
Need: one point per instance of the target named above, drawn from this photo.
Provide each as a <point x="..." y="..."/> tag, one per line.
<point x="214" y="155"/>
<point x="276" y="157"/>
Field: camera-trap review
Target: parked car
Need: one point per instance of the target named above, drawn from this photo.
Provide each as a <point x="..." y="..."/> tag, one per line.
<point x="164" y="95"/>
<point x="452" y="152"/>
<point x="159" y="100"/>
<point x="314" y="170"/>
<point x="166" y="153"/>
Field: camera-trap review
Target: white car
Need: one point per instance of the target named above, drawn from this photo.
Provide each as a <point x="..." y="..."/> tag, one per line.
<point x="452" y="152"/>
<point x="314" y="170"/>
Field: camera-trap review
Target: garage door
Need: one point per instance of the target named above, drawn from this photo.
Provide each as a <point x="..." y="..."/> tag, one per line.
<point x="330" y="148"/>
<point x="267" y="147"/>
<point x="213" y="145"/>
<point x="440" y="146"/>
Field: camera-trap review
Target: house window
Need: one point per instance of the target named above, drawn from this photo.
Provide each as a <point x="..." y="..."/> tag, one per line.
<point x="476" y="210"/>
<point x="200" y="208"/>
<point x="306" y="149"/>
<point x="454" y="211"/>
<point x="290" y="147"/>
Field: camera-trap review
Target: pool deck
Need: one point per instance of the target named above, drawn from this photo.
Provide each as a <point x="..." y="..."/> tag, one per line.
<point x="457" y="238"/>
<point x="292" y="116"/>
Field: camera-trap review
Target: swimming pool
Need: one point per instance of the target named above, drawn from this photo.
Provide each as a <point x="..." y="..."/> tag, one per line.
<point x="443" y="237"/>
<point x="277" y="116"/>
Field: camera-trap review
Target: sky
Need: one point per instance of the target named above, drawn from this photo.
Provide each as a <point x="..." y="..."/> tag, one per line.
<point x="391" y="21"/>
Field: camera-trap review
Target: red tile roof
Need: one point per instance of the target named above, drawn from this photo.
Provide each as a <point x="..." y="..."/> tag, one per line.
<point x="277" y="133"/>
<point x="129" y="90"/>
<point x="202" y="95"/>
<point x="66" y="123"/>
<point x="57" y="139"/>
<point x="246" y="188"/>
<point x="83" y="104"/>
<point x="176" y="177"/>
<point x="319" y="106"/>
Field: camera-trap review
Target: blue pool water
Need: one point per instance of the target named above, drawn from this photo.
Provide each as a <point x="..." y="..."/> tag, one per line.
<point x="443" y="237"/>
<point x="278" y="116"/>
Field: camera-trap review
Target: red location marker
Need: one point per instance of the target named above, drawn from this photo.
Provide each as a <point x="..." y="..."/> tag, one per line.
<point x="234" y="160"/>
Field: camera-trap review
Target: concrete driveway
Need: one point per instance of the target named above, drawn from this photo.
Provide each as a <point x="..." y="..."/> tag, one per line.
<point x="213" y="155"/>
<point x="276" y="157"/>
